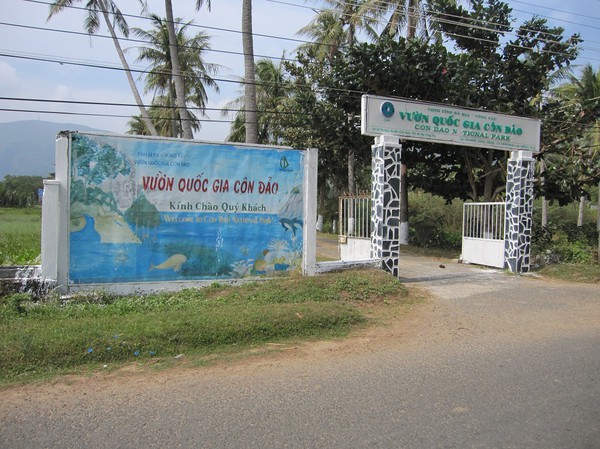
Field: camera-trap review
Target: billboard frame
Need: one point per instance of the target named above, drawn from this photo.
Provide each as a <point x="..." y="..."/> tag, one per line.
<point x="56" y="229"/>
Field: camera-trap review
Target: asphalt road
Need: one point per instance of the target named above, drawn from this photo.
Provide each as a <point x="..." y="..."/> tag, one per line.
<point x="491" y="361"/>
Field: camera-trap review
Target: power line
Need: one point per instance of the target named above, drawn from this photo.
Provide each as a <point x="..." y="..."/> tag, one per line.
<point x="450" y="21"/>
<point x="443" y="18"/>
<point x="129" y="39"/>
<point x="117" y="104"/>
<point x="555" y="9"/>
<point x="95" y="65"/>
<point x="208" y="27"/>
<point x="95" y="114"/>
<point x="157" y="106"/>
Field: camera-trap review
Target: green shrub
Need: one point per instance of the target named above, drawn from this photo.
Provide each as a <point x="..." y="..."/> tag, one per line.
<point x="433" y="223"/>
<point x="564" y="243"/>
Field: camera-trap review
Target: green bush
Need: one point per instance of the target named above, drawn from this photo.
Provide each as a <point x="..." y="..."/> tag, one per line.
<point x="433" y="223"/>
<point x="564" y="243"/>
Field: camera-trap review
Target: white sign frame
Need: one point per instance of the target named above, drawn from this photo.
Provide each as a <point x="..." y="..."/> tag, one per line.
<point x="440" y="123"/>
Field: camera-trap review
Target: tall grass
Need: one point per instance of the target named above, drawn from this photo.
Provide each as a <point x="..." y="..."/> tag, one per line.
<point x="20" y="235"/>
<point x="96" y="329"/>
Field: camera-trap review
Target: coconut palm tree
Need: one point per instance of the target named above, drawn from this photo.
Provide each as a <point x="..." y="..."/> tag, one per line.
<point x="251" y="113"/>
<point x="108" y="8"/>
<point x="417" y="18"/>
<point x="178" y="78"/>
<point x="271" y="92"/>
<point x="336" y="27"/>
<point x="161" y="112"/>
<point x="160" y="78"/>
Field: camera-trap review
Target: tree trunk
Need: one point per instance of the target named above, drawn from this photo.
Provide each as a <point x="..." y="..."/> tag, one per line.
<point x="580" y="216"/>
<point x="138" y="99"/>
<point x="251" y="112"/>
<point x="544" y="211"/>
<point x="404" y="229"/>
<point x="174" y="122"/>
<point x="186" y="123"/>
<point x="544" y="201"/>
<point x="351" y="173"/>
<point x="411" y="31"/>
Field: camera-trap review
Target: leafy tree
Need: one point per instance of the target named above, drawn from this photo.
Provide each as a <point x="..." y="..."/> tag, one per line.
<point x="488" y="72"/>
<point x="579" y="165"/>
<point x="20" y="191"/>
<point x="309" y="119"/>
<point x="92" y="22"/>
<point x="333" y="31"/>
<point x="495" y="74"/>
<point x="411" y="15"/>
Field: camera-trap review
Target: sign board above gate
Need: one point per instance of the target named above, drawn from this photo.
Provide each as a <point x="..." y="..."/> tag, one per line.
<point x="434" y="122"/>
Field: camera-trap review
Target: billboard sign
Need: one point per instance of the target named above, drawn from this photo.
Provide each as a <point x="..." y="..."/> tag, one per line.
<point x="433" y="122"/>
<point x="148" y="210"/>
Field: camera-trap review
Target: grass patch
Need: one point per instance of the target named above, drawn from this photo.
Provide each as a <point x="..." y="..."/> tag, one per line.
<point x="586" y="273"/>
<point x="20" y="231"/>
<point x="88" y="331"/>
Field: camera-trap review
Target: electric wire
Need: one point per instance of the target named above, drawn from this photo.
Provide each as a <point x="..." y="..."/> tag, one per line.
<point x="385" y="6"/>
<point x="437" y="13"/>
<point x="146" y="71"/>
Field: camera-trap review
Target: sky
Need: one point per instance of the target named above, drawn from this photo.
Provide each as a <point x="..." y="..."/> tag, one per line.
<point x="28" y="41"/>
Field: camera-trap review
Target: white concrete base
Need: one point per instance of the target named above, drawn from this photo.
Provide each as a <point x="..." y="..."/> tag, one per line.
<point x="355" y="249"/>
<point x="483" y="252"/>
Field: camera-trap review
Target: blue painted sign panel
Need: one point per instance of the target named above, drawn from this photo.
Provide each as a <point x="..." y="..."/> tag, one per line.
<point x="146" y="210"/>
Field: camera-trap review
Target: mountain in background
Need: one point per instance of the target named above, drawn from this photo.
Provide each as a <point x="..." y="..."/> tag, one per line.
<point x="27" y="147"/>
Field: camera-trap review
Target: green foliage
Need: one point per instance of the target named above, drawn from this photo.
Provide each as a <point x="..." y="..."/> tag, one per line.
<point x="272" y="92"/>
<point x="489" y="73"/>
<point x="196" y="72"/>
<point x="565" y="243"/>
<point x="20" y="191"/>
<point x="433" y="223"/>
<point x="572" y="159"/>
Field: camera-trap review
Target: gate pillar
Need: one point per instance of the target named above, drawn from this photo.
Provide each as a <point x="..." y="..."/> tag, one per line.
<point x="385" y="215"/>
<point x="519" y="212"/>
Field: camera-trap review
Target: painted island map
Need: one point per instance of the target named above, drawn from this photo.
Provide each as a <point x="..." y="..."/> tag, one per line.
<point x="144" y="209"/>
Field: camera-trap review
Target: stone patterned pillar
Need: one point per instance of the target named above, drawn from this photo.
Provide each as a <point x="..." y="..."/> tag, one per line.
<point x="385" y="214"/>
<point x="519" y="212"/>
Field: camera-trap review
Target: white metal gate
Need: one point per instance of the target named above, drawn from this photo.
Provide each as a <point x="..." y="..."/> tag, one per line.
<point x="483" y="234"/>
<point x="355" y="227"/>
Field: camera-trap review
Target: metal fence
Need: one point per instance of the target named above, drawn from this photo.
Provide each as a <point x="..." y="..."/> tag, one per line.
<point x="484" y="220"/>
<point x="355" y="216"/>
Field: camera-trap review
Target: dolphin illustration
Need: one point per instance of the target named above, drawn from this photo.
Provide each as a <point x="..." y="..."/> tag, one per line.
<point x="174" y="262"/>
<point x="288" y="224"/>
